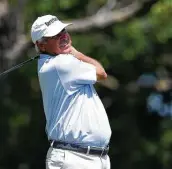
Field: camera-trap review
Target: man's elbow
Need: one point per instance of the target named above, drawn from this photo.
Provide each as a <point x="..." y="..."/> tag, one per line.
<point x="102" y="76"/>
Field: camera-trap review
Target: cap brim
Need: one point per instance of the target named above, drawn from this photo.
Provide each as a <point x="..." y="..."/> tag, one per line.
<point x="56" y="28"/>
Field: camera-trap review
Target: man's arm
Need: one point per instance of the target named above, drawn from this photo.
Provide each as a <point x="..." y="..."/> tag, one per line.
<point x="100" y="72"/>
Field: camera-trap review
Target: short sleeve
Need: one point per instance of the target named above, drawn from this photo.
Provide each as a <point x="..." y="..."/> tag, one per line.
<point x="75" y="72"/>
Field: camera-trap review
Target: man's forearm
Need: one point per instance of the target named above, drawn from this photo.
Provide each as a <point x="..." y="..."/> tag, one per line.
<point x="90" y="60"/>
<point x="101" y="74"/>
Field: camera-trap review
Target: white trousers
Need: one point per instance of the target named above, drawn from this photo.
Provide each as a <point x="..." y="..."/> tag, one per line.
<point x="65" y="159"/>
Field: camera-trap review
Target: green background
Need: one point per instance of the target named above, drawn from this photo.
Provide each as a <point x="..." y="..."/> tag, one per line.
<point x="128" y="47"/>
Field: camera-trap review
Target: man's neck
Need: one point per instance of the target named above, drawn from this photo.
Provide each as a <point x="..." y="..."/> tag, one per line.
<point x="48" y="54"/>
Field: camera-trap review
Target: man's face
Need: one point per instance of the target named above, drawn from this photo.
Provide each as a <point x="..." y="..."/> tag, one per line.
<point x="58" y="44"/>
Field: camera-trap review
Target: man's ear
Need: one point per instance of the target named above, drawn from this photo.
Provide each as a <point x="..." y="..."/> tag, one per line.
<point x="40" y="46"/>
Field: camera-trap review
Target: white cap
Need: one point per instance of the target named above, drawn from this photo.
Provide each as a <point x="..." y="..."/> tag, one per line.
<point x="46" y="26"/>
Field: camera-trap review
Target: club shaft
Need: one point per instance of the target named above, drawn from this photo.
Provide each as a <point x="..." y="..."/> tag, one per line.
<point x="18" y="66"/>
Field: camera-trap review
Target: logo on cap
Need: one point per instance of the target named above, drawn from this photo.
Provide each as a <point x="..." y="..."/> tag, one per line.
<point x="51" y="21"/>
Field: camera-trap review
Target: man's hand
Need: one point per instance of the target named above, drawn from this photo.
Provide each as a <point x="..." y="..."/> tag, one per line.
<point x="100" y="72"/>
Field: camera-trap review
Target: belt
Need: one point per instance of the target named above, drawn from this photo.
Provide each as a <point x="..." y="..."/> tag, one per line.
<point x="81" y="149"/>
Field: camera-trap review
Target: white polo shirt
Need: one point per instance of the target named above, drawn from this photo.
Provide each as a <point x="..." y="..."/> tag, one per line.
<point x="74" y="112"/>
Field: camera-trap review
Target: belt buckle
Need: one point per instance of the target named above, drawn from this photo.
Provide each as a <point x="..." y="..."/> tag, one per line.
<point x="104" y="149"/>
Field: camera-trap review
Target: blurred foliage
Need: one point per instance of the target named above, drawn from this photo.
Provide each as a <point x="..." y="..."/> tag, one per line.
<point x="127" y="49"/>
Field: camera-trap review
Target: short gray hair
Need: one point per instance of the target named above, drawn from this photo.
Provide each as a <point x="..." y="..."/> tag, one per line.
<point x="36" y="46"/>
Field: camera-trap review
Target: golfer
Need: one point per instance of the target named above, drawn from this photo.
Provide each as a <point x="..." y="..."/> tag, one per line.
<point x="76" y="122"/>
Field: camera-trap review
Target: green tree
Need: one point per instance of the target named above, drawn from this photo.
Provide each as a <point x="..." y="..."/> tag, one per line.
<point x="130" y="39"/>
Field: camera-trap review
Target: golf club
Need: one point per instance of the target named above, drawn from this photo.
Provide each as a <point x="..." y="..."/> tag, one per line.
<point x="18" y="66"/>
